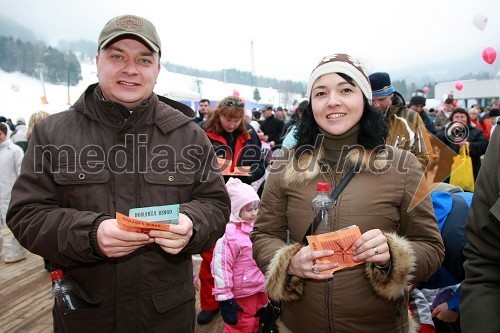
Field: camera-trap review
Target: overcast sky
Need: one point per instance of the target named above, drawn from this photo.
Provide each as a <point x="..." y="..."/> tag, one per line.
<point x="289" y="37"/>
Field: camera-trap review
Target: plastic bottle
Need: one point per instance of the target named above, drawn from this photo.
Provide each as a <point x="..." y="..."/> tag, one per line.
<point x="322" y="206"/>
<point x="64" y="291"/>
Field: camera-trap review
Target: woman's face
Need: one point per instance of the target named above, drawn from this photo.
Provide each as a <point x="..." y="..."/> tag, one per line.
<point x="337" y="105"/>
<point x="460" y="117"/>
<point x="230" y="124"/>
<point x="473" y="116"/>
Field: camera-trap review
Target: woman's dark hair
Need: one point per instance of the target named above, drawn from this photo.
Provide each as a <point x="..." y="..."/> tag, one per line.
<point x="373" y="130"/>
<point x="460" y="110"/>
<point x="213" y="123"/>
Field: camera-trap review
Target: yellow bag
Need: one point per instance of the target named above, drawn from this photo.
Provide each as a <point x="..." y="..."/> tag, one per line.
<point x="461" y="170"/>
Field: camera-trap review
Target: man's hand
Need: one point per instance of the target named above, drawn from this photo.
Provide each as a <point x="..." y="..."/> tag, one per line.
<point x="174" y="240"/>
<point x="115" y="242"/>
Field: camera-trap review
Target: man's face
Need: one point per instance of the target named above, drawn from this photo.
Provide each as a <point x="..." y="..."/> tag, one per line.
<point x="496" y="105"/>
<point x="268" y="113"/>
<point x="127" y="72"/>
<point x="3" y="137"/>
<point x="382" y="102"/>
<point x="280" y="114"/>
<point x="448" y="107"/>
<point x="203" y="108"/>
<point x="417" y="107"/>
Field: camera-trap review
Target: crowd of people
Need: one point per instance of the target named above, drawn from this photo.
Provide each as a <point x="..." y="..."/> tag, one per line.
<point x="243" y="181"/>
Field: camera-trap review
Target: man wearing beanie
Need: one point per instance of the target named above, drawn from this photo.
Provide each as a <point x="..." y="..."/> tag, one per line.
<point x="406" y="128"/>
<point x="121" y="147"/>
<point x="417" y="103"/>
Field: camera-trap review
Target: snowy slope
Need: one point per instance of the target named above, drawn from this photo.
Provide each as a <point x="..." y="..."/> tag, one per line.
<point x="20" y="95"/>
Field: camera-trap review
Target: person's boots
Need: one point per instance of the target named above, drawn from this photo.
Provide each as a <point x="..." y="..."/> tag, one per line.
<point x="17" y="252"/>
<point x="204" y="317"/>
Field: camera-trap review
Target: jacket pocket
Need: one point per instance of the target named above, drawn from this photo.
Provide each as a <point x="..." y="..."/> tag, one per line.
<point x="172" y="297"/>
<point x="166" y="187"/>
<point x="84" y="320"/>
<point x="79" y="180"/>
<point x="240" y="277"/>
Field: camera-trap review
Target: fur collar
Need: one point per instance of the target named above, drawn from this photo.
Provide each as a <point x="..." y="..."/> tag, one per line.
<point x="310" y="164"/>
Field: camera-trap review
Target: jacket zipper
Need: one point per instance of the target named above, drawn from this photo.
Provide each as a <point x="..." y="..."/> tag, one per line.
<point x="329" y="310"/>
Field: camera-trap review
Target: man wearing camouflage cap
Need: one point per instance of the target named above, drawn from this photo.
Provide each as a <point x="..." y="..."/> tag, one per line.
<point x="120" y="147"/>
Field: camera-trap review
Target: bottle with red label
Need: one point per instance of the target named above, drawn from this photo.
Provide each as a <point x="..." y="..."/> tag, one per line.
<point x="322" y="206"/>
<point x="64" y="290"/>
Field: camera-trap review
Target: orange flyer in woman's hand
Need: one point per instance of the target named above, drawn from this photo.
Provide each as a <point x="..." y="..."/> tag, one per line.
<point x="136" y="225"/>
<point x="225" y="167"/>
<point x="340" y="242"/>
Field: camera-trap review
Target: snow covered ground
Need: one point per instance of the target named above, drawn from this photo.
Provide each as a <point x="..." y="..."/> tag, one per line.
<point x="20" y="95"/>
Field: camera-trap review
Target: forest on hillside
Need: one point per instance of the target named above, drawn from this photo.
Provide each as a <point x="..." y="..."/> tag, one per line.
<point x="36" y="59"/>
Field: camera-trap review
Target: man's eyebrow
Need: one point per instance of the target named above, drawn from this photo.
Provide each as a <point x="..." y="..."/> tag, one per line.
<point x="116" y="48"/>
<point x="142" y="53"/>
<point x="147" y="54"/>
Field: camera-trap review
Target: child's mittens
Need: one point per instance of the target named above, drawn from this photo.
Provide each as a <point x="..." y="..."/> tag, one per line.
<point x="228" y="311"/>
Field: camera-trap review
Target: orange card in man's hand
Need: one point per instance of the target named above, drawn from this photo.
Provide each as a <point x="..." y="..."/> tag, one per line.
<point x="131" y="224"/>
<point x="340" y="242"/>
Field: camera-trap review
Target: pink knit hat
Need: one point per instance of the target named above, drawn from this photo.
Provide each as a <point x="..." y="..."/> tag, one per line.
<point x="241" y="194"/>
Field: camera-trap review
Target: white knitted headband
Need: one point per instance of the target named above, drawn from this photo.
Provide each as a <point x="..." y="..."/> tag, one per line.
<point x="345" y="64"/>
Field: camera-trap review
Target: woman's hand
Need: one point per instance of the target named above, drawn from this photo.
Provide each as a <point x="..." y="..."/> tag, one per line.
<point x="304" y="266"/>
<point x="372" y="247"/>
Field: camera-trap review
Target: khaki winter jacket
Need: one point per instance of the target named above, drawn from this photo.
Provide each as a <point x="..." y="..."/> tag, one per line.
<point x="407" y="131"/>
<point x="361" y="299"/>
<point x="86" y="164"/>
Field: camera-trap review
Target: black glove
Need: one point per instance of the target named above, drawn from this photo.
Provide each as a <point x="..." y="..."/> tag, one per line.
<point x="268" y="314"/>
<point x="228" y="311"/>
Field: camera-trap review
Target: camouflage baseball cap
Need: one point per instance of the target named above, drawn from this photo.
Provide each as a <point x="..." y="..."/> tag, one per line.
<point x="129" y="25"/>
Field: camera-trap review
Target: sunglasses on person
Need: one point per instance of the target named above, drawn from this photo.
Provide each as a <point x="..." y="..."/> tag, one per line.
<point x="231" y="102"/>
<point x="251" y="205"/>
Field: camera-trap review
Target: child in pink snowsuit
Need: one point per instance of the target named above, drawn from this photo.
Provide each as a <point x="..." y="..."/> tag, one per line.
<point x="239" y="284"/>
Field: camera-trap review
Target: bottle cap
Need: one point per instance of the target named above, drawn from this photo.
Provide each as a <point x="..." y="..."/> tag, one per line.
<point x="57" y="274"/>
<point x="323" y="187"/>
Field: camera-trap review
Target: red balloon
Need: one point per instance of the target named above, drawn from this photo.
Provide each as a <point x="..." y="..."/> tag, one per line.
<point x="426" y="90"/>
<point x="459" y="85"/>
<point x="489" y="54"/>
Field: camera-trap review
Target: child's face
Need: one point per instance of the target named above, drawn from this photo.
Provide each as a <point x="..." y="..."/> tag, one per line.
<point x="249" y="212"/>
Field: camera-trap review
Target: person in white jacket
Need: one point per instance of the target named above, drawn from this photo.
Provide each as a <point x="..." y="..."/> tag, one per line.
<point x="239" y="285"/>
<point x="11" y="156"/>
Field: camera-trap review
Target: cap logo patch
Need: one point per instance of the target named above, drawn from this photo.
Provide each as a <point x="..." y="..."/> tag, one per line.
<point x="130" y="23"/>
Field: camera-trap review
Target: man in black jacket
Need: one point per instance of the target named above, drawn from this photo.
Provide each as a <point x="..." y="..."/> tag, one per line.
<point x="271" y="127"/>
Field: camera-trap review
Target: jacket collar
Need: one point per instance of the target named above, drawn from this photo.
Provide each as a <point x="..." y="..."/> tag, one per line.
<point x="398" y="103"/>
<point x="310" y="165"/>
